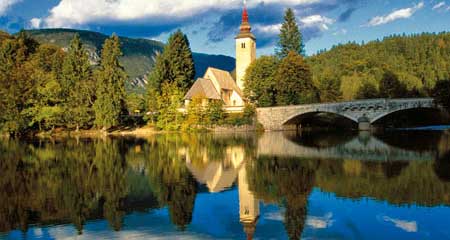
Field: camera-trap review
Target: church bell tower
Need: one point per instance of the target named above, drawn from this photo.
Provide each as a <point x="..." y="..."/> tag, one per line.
<point x="245" y="49"/>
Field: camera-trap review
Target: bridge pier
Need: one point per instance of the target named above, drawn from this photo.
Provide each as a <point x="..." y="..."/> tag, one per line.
<point x="364" y="124"/>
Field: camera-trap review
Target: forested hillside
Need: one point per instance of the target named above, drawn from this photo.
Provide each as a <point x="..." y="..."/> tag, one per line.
<point x="418" y="61"/>
<point x="139" y="54"/>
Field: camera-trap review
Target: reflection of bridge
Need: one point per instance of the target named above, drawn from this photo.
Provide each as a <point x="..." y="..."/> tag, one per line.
<point x="366" y="148"/>
<point x="276" y="118"/>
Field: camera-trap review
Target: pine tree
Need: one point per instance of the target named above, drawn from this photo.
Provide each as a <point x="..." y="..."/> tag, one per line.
<point x="77" y="85"/>
<point x="290" y="38"/>
<point x="16" y="84"/>
<point x="175" y="64"/>
<point x="110" y="93"/>
<point x="294" y="82"/>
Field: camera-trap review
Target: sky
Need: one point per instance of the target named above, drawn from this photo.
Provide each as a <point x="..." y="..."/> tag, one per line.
<point x="212" y="24"/>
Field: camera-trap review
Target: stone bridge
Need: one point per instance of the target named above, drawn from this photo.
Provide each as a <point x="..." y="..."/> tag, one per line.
<point x="361" y="111"/>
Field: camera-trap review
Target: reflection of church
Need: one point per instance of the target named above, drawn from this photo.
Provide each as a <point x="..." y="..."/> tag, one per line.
<point x="220" y="175"/>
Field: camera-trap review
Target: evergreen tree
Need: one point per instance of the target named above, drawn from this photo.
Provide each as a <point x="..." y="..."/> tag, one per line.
<point x="175" y="64"/>
<point x="260" y="81"/>
<point x="290" y="38"/>
<point x="16" y="84"/>
<point x="45" y="105"/>
<point x="294" y="82"/>
<point x="77" y="85"/>
<point x="169" y="118"/>
<point x="110" y="93"/>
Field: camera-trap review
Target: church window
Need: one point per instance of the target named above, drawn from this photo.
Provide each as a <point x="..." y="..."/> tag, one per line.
<point x="243" y="45"/>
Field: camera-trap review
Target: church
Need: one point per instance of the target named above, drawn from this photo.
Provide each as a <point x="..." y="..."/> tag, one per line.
<point x="218" y="84"/>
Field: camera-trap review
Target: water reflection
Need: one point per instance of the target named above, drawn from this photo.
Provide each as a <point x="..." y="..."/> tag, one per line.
<point x="76" y="181"/>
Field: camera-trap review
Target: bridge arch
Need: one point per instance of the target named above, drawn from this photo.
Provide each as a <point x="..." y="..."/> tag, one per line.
<point x="299" y="114"/>
<point x="388" y="113"/>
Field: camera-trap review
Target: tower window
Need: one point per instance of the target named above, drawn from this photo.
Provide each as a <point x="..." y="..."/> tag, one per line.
<point x="242" y="45"/>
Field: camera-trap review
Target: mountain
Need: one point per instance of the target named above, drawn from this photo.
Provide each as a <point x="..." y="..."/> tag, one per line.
<point x="138" y="54"/>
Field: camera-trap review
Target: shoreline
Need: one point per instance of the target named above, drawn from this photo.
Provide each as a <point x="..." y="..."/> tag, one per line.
<point x="139" y="132"/>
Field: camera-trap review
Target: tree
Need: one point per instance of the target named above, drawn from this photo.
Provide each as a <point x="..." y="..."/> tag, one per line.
<point x="77" y="85"/>
<point x="214" y="112"/>
<point x="44" y="107"/>
<point x="391" y="87"/>
<point x="330" y="90"/>
<point x="110" y="93"/>
<point x="169" y="101"/>
<point x="260" y="81"/>
<point x="441" y="93"/>
<point x="294" y="82"/>
<point x="367" y="91"/>
<point x="16" y="84"/>
<point x="290" y="36"/>
<point x="175" y="64"/>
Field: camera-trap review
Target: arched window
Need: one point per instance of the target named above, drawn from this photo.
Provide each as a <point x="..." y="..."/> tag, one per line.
<point x="242" y="45"/>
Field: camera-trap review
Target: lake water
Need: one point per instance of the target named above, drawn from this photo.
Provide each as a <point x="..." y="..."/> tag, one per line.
<point x="318" y="185"/>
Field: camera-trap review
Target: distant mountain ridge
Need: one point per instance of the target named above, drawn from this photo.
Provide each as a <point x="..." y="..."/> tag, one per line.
<point x="139" y="54"/>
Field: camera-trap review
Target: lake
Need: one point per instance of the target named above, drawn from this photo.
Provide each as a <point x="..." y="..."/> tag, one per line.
<point x="279" y="185"/>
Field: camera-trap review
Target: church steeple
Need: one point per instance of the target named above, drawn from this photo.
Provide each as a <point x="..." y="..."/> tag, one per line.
<point x="245" y="48"/>
<point x="245" y="28"/>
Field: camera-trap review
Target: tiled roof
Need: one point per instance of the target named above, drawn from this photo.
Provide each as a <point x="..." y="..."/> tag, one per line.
<point x="225" y="80"/>
<point x="203" y="88"/>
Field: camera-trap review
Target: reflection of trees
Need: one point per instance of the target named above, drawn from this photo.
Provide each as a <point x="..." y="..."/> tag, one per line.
<point x="171" y="181"/>
<point x="442" y="167"/>
<point x="411" y="182"/>
<point x="61" y="181"/>
<point x="284" y="180"/>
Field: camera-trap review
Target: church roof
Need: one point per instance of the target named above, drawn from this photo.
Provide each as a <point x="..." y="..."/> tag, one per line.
<point x="225" y="80"/>
<point x="203" y="88"/>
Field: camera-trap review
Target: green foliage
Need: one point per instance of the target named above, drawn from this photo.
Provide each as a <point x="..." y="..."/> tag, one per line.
<point x="135" y="103"/>
<point x="329" y="90"/>
<point x="294" y="82"/>
<point x="110" y="92"/>
<point x="441" y="93"/>
<point x="175" y="64"/>
<point x="391" y="87"/>
<point x="214" y="112"/>
<point x="419" y="61"/>
<point x="195" y="113"/>
<point x="78" y="85"/>
<point x="367" y="91"/>
<point x="290" y="38"/>
<point x="260" y="81"/>
<point x="16" y="82"/>
<point x="169" y="118"/>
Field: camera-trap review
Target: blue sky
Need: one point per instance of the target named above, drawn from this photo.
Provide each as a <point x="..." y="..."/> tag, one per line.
<point x="212" y="24"/>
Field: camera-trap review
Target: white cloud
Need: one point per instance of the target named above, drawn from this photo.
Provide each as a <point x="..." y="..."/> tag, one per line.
<point x="395" y="15"/>
<point x="6" y="4"/>
<point x="320" y="222"/>
<point x="35" y="22"/>
<point x="318" y="21"/>
<point x="408" y="226"/>
<point x="71" y="13"/>
<point x="439" y="5"/>
<point x="269" y="29"/>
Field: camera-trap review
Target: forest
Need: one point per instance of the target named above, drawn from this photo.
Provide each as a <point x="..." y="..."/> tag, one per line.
<point x="417" y="61"/>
